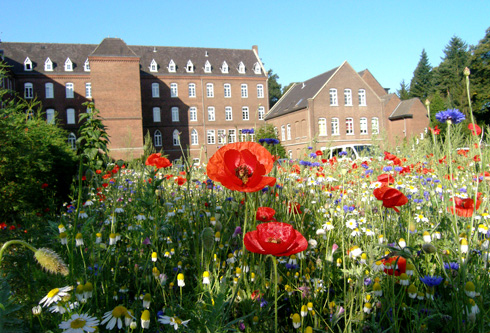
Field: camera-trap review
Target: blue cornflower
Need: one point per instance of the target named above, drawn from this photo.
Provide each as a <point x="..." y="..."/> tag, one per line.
<point x="398" y="168"/>
<point x="315" y="164"/>
<point x="343" y="153"/>
<point x="462" y="190"/>
<point x="431" y="281"/>
<point x="269" y="141"/>
<point x="310" y="148"/>
<point x="387" y="168"/>
<point x="365" y="166"/>
<point x="263" y="303"/>
<point x="451" y="265"/>
<point x="453" y="115"/>
<point x="313" y="155"/>
<point x="305" y="163"/>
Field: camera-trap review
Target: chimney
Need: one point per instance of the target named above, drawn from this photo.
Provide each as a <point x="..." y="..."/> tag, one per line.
<point x="256" y="49"/>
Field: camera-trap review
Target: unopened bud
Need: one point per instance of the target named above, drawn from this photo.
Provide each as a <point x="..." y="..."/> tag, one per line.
<point x="466" y="71"/>
<point x="428" y="248"/>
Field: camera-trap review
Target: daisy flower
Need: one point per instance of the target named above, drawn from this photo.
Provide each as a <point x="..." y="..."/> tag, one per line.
<point x="55" y="295"/>
<point x="115" y="316"/>
<point x="79" y="323"/>
<point x="173" y="321"/>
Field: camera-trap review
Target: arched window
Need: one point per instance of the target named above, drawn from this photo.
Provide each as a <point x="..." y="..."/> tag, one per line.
<point x="374" y="125"/>
<point x="157" y="138"/>
<point x="283" y="133"/>
<point x="333" y="97"/>
<point x="322" y="126"/>
<point x="348" y="97"/>
<point x="349" y="126"/>
<point x="175" y="138"/>
<point x="72" y="141"/>
<point x="362" y="97"/>
<point x="363" y="126"/>
<point x="288" y="131"/>
<point x="194" y="138"/>
<point x="335" y="126"/>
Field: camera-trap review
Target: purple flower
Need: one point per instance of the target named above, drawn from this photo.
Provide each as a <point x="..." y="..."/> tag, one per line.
<point x="453" y="115"/>
<point x="147" y="241"/>
<point x="431" y="281"/>
<point x="269" y="141"/>
<point x="451" y="265"/>
<point x="238" y="231"/>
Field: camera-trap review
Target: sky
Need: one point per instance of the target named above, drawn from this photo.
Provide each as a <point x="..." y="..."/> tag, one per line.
<point x="296" y="39"/>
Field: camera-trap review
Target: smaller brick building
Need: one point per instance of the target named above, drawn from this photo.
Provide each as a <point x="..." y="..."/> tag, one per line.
<point x="341" y="107"/>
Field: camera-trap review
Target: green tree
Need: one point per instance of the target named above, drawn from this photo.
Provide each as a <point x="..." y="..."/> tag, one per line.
<point x="480" y="79"/>
<point x="286" y="88"/>
<point x="267" y="131"/>
<point x="274" y="88"/>
<point x="421" y="84"/>
<point x="403" y="92"/>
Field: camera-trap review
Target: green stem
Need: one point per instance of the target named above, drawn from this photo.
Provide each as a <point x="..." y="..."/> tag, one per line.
<point x="274" y="264"/>
<point x="15" y="241"/>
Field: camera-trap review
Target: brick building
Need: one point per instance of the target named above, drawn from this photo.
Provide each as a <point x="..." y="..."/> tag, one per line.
<point x="197" y="98"/>
<point x="341" y="107"/>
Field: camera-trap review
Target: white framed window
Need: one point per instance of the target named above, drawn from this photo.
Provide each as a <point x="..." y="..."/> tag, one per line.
<point x="68" y="65"/>
<point x="349" y="126"/>
<point x="260" y="91"/>
<point x="194" y="138"/>
<point x="72" y="141"/>
<point x="176" y="138"/>
<point x="245" y="113"/>
<point x="155" y="90"/>
<point x="174" y="90"/>
<point x="244" y="90"/>
<point x="189" y="67"/>
<point x="231" y="135"/>
<point x="86" y="66"/>
<point x="374" y="125"/>
<point x="288" y="131"/>
<point x="192" y="90"/>
<point x="50" y="116"/>
<point x="175" y="114"/>
<point x="227" y="90"/>
<point x="69" y="89"/>
<point x="209" y="90"/>
<point x="157" y="115"/>
<point x="257" y="68"/>
<point x="322" y="126"/>
<point x="211" y="113"/>
<point x="157" y="138"/>
<point x="290" y="154"/>
<point x="211" y="137"/>
<point x="335" y="126"/>
<point x="27" y="65"/>
<point x="224" y="68"/>
<point x="241" y="68"/>
<point x="283" y="133"/>
<point x="363" y="126"/>
<point x="221" y="136"/>
<point x="228" y="113"/>
<point x="261" y="112"/>
<point x="348" y="97"/>
<point x="171" y="66"/>
<point x="276" y="132"/>
<point x="48" y="65"/>
<point x="243" y="136"/>
<point x="153" y="66"/>
<point x="28" y="90"/>
<point x="362" y="97"/>
<point x="70" y="116"/>
<point x="333" y="97"/>
<point x="49" y="88"/>
<point x="88" y="90"/>
<point x="193" y="113"/>
<point x="207" y="67"/>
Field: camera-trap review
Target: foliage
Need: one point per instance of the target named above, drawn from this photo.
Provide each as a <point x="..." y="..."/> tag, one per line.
<point x="286" y="88"/>
<point x="480" y="78"/>
<point x="403" y="93"/>
<point x="8" y="309"/>
<point x="267" y="131"/>
<point x="421" y="84"/>
<point x="274" y="88"/>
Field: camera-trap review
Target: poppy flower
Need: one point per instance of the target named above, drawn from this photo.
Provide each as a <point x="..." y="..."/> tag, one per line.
<point x="158" y="161"/>
<point x="391" y="197"/>
<point x="276" y="238"/>
<point x="265" y="214"/>
<point x="294" y="208"/>
<point x="242" y="167"/>
<point x="398" y="264"/>
<point x="180" y="180"/>
<point x="319" y="153"/>
<point x="44" y="185"/>
<point x="386" y="178"/>
<point x="464" y="207"/>
<point x="435" y="130"/>
<point x="474" y="128"/>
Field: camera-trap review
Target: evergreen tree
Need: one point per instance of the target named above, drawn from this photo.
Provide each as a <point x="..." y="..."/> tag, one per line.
<point x="403" y="92"/>
<point x="421" y="84"/>
<point x="274" y="88"/>
<point x="480" y="79"/>
<point x="267" y="131"/>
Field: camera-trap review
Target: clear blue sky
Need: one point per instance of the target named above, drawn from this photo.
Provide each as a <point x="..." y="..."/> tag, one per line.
<point x="297" y="39"/>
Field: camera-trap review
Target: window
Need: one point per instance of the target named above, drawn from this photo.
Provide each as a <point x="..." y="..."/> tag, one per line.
<point x="50" y="116"/>
<point x="69" y="90"/>
<point x="86" y="66"/>
<point x="333" y="97"/>
<point x="153" y="66"/>
<point x="175" y="114"/>
<point x="224" y="68"/>
<point x="374" y="125"/>
<point x="257" y="68"/>
<point x="211" y="137"/>
<point x="227" y="88"/>
<point x="290" y="153"/>
<point x="260" y="91"/>
<point x="70" y="116"/>
<point x="207" y="67"/>
<point x="362" y="97"/>
<point x="209" y="90"/>
<point x="28" y="90"/>
<point x="49" y="90"/>
<point x="27" y="65"/>
<point x="48" y="65"/>
<point x="231" y="136"/>
<point x="363" y="126"/>
<point x="288" y="131"/>
<point x="175" y="138"/>
<point x="241" y="68"/>
<point x="174" y="90"/>
<point x="68" y="65"/>
<point x="192" y="90"/>
<point x="348" y="97"/>
<point x="157" y="138"/>
<point x="72" y="141"/>
<point x="171" y="66"/>
<point x="245" y="113"/>
<point x="244" y="90"/>
<point x="283" y="133"/>
<point x="228" y="113"/>
<point x="194" y="138"/>
<point x="189" y="67"/>
<point x="88" y="90"/>
<point x="193" y="114"/>
<point x="155" y="90"/>
<point x="211" y="114"/>
<point x="157" y="115"/>
<point x="261" y="112"/>
<point x="322" y="126"/>
<point x="221" y="137"/>
<point x="335" y="126"/>
<point x="349" y="126"/>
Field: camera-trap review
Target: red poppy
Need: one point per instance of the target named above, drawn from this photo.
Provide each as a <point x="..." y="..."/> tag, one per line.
<point x="474" y="128"/>
<point x="476" y="158"/>
<point x="391" y="197"/>
<point x="44" y="185"/>
<point x="158" y="161"/>
<point x="98" y="172"/>
<point x="265" y="214"/>
<point x="276" y="238"/>
<point x="319" y="153"/>
<point x="3" y="225"/>
<point x="242" y="167"/>
<point x="294" y="208"/>
<point x="400" y="262"/>
<point x="386" y="178"/>
<point x="435" y="130"/>
<point x="464" y="207"/>
<point x="180" y="180"/>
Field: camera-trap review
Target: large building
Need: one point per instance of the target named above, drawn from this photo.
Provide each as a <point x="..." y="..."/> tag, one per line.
<point x="196" y="99"/>
<point x="342" y="107"/>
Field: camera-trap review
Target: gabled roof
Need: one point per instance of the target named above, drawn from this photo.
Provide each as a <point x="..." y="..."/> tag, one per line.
<point x="113" y="47"/>
<point x="403" y="110"/>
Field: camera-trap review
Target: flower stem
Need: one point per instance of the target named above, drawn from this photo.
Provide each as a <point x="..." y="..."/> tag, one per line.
<point x="15" y="241"/>
<point x="274" y="264"/>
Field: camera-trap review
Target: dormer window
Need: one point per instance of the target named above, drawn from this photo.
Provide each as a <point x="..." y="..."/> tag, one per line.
<point x="189" y="67"/>
<point x="207" y="67"/>
<point x="224" y="68"/>
<point x="28" y="65"/>
<point x="241" y="68"/>
<point x="48" y="65"/>
<point x="257" y="68"/>
<point x="68" y="65"/>
<point x="86" y="66"/>
<point x="153" y="66"/>
<point x="171" y="66"/>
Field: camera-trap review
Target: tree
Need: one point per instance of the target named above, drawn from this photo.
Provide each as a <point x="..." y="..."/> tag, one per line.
<point x="403" y="92"/>
<point x="267" y="131"/>
<point x="480" y="79"/>
<point x="286" y="88"/>
<point x="274" y="88"/>
<point x="421" y="84"/>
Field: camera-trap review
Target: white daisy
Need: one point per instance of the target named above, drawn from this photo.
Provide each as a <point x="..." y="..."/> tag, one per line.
<point x="79" y="323"/>
<point x="173" y="321"/>
<point x="351" y="224"/>
<point x="115" y="316"/>
<point x="55" y="295"/>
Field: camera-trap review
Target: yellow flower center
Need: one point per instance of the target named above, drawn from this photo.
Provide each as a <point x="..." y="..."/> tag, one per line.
<point x="273" y="240"/>
<point x="119" y="311"/>
<point x="243" y="173"/>
<point x="78" y="323"/>
<point x="53" y="293"/>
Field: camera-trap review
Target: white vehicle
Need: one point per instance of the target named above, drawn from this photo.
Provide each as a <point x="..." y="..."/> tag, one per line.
<point x="351" y="151"/>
